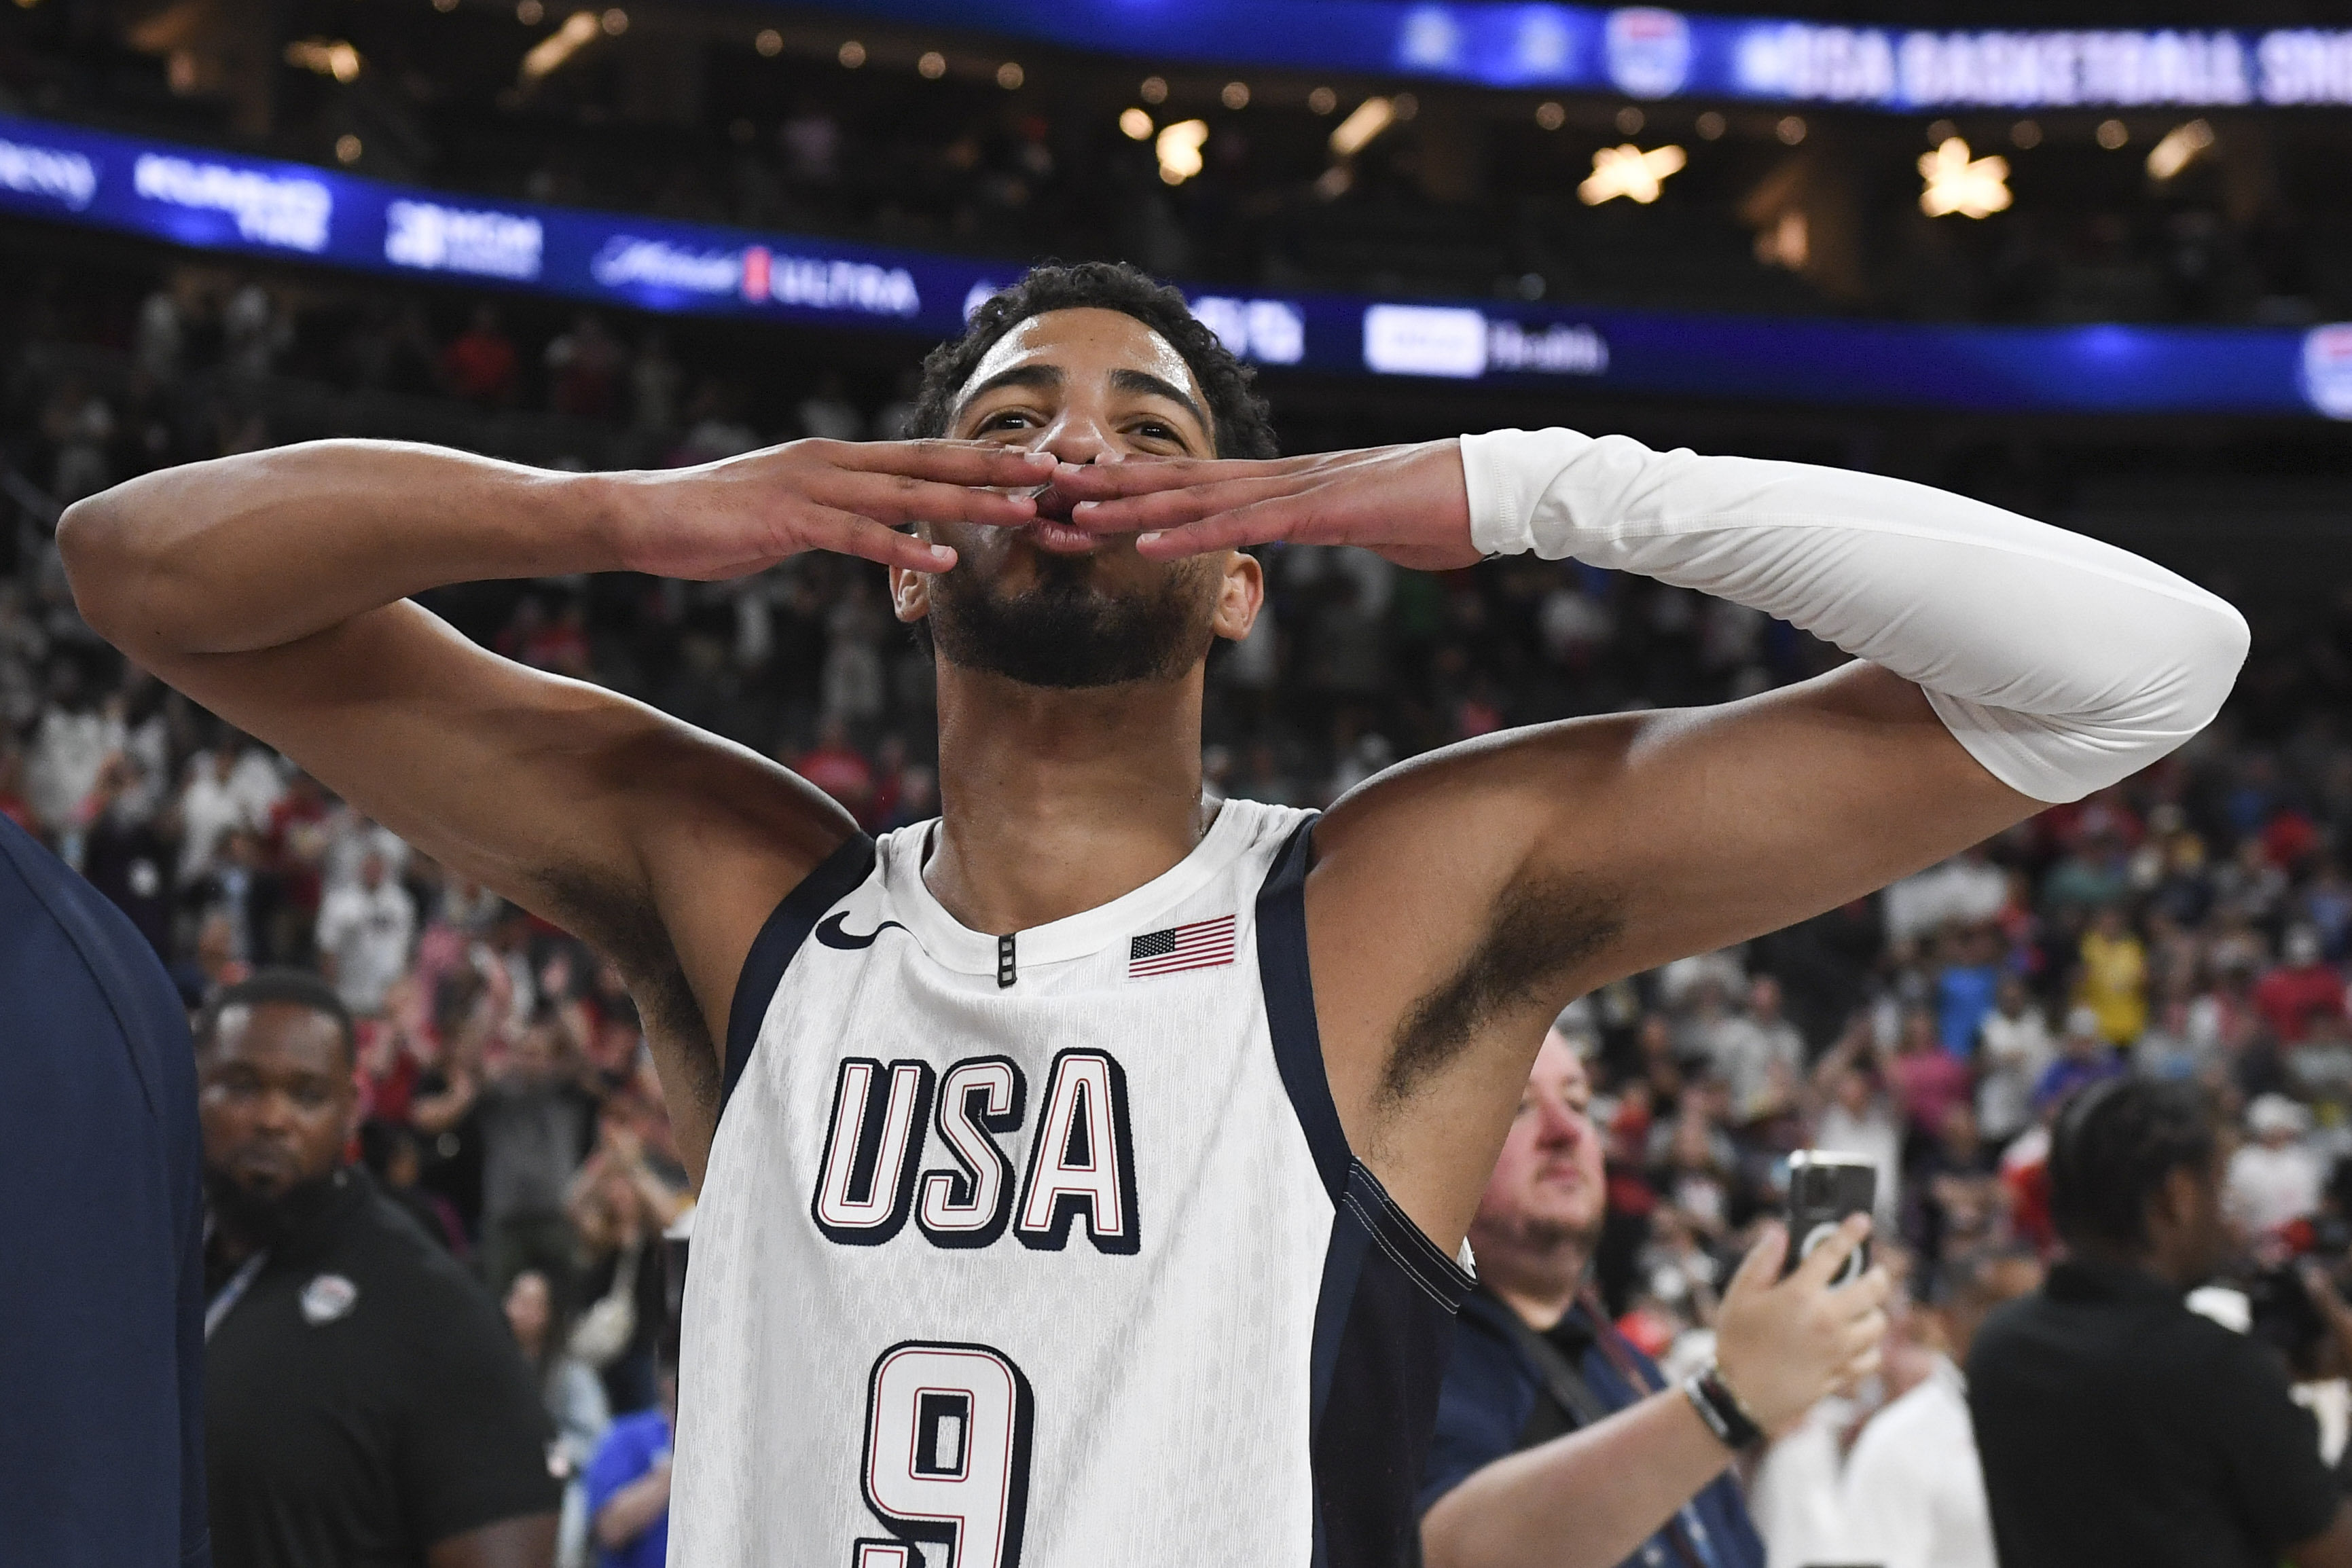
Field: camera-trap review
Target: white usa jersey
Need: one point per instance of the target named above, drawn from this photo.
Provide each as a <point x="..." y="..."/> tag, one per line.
<point x="1048" y="1249"/>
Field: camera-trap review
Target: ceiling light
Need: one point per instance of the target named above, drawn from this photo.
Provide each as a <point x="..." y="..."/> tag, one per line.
<point x="1179" y="148"/>
<point x="1365" y="121"/>
<point x="769" y="42"/>
<point x="1941" y="131"/>
<point x="1010" y="75"/>
<point x="1972" y="187"/>
<point x="347" y="148"/>
<point x="336" y="59"/>
<point x="1236" y="95"/>
<point x="851" y="55"/>
<point x="560" y="46"/>
<point x="616" y="22"/>
<point x="530" y="13"/>
<point x="442" y="6"/>
<point x="1630" y="121"/>
<point x="2025" y="133"/>
<point x="932" y="65"/>
<point x="1550" y="115"/>
<point x="2113" y="133"/>
<point x="1406" y="105"/>
<point x="1135" y="125"/>
<point x="1790" y="130"/>
<point x="1154" y="89"/>
<point x="2179" y="148"/>
<point x="1627" y="170"/>
<point x="1710" y="126"/>
<point x="1322" y="101"/>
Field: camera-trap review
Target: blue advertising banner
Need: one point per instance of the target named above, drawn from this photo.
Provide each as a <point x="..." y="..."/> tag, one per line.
<point x="1648" y="52"/>
<point x="292" y="212"/>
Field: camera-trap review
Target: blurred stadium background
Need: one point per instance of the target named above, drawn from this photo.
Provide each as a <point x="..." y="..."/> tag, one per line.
<point x="2089" y="260"/>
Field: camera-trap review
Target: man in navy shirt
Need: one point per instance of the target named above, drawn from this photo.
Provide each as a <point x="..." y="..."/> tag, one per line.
<point x="1560" y="1445"/>
<point x="101" y="1272"/>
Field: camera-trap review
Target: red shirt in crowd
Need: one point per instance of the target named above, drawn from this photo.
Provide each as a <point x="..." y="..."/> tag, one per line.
<point x="2290" y="994"/>
<point x="1929" y="1083"/>
<point x="841" y="772"/>
<point x="479" y="366"/>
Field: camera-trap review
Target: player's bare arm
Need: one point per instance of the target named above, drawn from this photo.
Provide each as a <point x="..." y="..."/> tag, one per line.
<point x="272" y="589"/>
<point x="1461" y="899"/>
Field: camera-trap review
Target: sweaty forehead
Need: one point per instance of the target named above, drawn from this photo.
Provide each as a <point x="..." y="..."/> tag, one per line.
<point x="1085" y="344"/>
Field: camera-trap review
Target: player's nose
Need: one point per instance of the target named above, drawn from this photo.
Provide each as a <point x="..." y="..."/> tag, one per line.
<point x="1077" y="437"/>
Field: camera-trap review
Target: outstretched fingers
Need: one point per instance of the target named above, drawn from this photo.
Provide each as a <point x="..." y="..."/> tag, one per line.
<point x="896" y="498"/>
<point x="1151" y="476"/>
<point x="847" y="533"/>
<point x="1258" y="522"/>
<point x="980" y="462"/>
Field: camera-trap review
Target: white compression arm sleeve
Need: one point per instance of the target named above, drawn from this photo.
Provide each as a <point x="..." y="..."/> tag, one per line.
<point x="2061" y="663"/>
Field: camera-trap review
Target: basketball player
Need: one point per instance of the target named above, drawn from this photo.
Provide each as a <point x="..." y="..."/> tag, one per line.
<point x="1084" y="1171"/>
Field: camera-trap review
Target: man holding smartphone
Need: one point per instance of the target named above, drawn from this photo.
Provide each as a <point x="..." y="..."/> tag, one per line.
<point x="1559" y="1444"/>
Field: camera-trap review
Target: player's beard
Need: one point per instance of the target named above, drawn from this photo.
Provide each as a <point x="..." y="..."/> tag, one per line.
<point x="1066" y="632"/>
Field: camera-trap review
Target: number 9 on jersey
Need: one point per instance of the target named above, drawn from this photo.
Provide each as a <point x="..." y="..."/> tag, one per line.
<point x="947" y="1455"/>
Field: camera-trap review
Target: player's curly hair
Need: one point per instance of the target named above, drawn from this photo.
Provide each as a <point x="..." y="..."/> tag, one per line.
<point x="2113" y="1143"/>
<point x="1242" y="426"/>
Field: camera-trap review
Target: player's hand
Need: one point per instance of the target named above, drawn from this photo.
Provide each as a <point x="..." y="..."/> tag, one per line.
<point x="742" y="515"/>
<point x="1406" y="503"/>
<point x="1781" y="1346"/>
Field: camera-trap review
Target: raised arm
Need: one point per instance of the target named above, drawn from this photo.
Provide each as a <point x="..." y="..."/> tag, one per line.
<point x="270" y="588"/>
<point x="1461" y="899"/>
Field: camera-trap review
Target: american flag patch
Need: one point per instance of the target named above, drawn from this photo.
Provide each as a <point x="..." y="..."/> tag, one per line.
<point x="1202" y="945"/>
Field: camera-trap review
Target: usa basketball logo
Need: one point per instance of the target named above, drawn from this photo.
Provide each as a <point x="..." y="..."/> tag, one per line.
<point x="1649" y="51"/>
<point x="2328" y="370"/>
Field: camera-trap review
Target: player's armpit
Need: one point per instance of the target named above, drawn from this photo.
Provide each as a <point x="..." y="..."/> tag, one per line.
<point x="1460" y="901"/>
<point x="662" y="846"/>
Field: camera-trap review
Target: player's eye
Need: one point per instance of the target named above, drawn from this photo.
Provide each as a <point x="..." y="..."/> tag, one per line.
<point x="1006" y="419"/>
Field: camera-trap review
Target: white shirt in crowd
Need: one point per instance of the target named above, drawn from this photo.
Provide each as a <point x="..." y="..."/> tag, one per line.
<point x="215" y="803"/>
<point x="1914" y="1492"/>
<point x="350" y="839"/>
<point x="2014" y="1052"/>
<point x="1967" y="888"/>
<point x="1793" y="1496"/>
<point x="68" y="748"/>
<point x="367" y="930"/>
<point x="2267" y="1186"/>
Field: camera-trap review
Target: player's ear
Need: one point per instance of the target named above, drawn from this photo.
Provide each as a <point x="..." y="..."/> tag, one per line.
<point x="910" y="594"/>
<point x="1241" y="594"/>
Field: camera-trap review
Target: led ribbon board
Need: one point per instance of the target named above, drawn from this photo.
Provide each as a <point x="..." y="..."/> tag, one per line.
<point x="1648" y="52"/>
<point x="292" y="212"/>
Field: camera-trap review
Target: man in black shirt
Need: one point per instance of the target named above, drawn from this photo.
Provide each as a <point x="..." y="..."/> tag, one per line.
<point x="2116" y="1424"/>
<point x="365" y="1405"/>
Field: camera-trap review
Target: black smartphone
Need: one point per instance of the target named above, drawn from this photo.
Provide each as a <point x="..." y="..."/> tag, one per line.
<point x="1824" y="1188"/>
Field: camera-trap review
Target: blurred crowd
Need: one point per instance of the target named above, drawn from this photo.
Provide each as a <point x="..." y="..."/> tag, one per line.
<point x="2194" y="922"/>
<point x="1465" y="193"/>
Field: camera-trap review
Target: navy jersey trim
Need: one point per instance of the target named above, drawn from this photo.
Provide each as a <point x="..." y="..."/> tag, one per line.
<point x="1384" y="1315"/>
<point x="1289" y="986"/>
<point x="836" y="876"/>
<point x="1440" y="1277"/>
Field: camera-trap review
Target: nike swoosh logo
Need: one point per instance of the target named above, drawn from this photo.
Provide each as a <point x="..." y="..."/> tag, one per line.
<point x="831" y="933"/>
